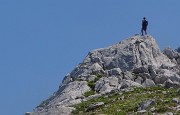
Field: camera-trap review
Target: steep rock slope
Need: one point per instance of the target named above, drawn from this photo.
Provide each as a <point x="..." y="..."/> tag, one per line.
<point x="136" y="61"/>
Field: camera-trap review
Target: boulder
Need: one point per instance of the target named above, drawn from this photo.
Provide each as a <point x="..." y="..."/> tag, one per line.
<point x="176" y="100"/>
<point x="139" y="80"/>
<point x="170" y="53"/>
<point x="94" y="106"/>
<point x="152" y="71"/>
<point x="104" y="85"/>
<point x="145" y="76"/>
<point x="128" y="76"/>
<point x="140" y="70"/>
<point x="91" y="77"/>
<point x="145" y="104"/>
<point x="128" y="83"/>
<point x="95" y="59"/>
<point x="167" y="113"/>
<point x="114" y="71"/>
<point x="178" y="61"/>
<point x="148" y="83"/>
<point x="160" y="79"/>
<point x="141" y="112"/>
<point x="175" y="78"/>
<point x="169" y="84"/>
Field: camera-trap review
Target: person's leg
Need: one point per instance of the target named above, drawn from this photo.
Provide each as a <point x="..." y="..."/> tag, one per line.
<point x="145" y="31"/>
<point x="142" y="31"/>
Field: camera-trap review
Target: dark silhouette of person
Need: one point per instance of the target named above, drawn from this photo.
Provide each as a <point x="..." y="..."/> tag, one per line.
<point x="144" y="26"/>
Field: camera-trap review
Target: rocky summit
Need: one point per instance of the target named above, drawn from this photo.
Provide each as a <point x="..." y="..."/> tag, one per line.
<point x="133" y="62"/>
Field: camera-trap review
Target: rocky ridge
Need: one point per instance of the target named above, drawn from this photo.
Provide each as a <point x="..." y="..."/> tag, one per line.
<point x="133" y="62"/>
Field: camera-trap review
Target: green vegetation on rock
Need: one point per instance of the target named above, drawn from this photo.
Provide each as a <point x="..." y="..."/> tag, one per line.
<point x="128" y="102"/>
<point x="88" y="93"/>
<point x="91" y="84"/>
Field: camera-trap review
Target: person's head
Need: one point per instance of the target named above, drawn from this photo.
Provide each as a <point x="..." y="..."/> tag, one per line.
<point x="144" y="18"/>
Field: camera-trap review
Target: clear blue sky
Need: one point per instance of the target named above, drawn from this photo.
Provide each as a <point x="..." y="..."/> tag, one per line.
<point x="43" y="40"/>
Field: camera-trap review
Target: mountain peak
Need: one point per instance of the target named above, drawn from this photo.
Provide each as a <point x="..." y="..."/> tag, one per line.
<point x="136" y="61"/>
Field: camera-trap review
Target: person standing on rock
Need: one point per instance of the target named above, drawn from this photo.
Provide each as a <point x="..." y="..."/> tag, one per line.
<point x="144" y="26"/>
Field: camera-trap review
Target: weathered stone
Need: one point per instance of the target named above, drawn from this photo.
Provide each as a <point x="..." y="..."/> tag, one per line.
<point x="167" y="113"/>
<point x="141" y="112"/>
<point x="95" y="59"/>
<point x="145" y="76"/>
<point x="59" y="110"/>
<point x="139" y="80"/>
<point x="178" y="61"/>
<point x="140" y="70"/>
<point x="136" y="52"/>
<point x="128" y="83"/>
<point x="148" y="83"/>
<point x="169" y="84"/>
<point x="94" y="106"/>
<point x="128" y="76"/>
<point x="152" y="109"/>
<point x="176" y="100"/>
<point x="160" y="79"/>
<point x="90" y="77"/>
<point x="170" y="53"/>
<point x="67" y="79"/>
<point x="152" y="71"/>
<point x="175" y="78"/>
<point x="145" y="104"/>
<point x="114" y="71"/>
<point x="105" y="84"/>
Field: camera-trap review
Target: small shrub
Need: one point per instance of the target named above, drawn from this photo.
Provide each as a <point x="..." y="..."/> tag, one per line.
<point x="88" y="93"/>
<point x="91" y="84"/>
<point x="178" y="92"/>
<point x="98" y="76"/>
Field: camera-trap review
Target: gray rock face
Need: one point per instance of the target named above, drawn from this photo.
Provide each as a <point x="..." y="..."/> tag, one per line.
<point x="148" y="83"/>
<point x="173" y="55"/>
<point x="169" y="84"/>
<point x="128" y="83"/>
<point x="146" y="104"/>
<point x="105" y="84"/>
<point x="136" y="61"/>
<point x="115" y="71"/>
<point x="67" y="95"/>
<point x="170" y="53"/>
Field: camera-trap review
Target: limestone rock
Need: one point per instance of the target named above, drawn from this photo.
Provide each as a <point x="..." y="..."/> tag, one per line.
<point x="169" y="84"/>
<point x="170" y="53"/>
<point x="128" y="83"/>
<point x="145" y="104"/>
<point x="115" y="64"/>
<point x="176" y="100"/>
<point x="128" y="75"/>
<point x="140" y="70"/>
<point x="94" y="106"/>
<point x="105" y="84"/>
<point x="167" y="113"/>
<point x="114" y="71"/>
<point x="148" y="83"/>
<point x="139" y="80"/>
